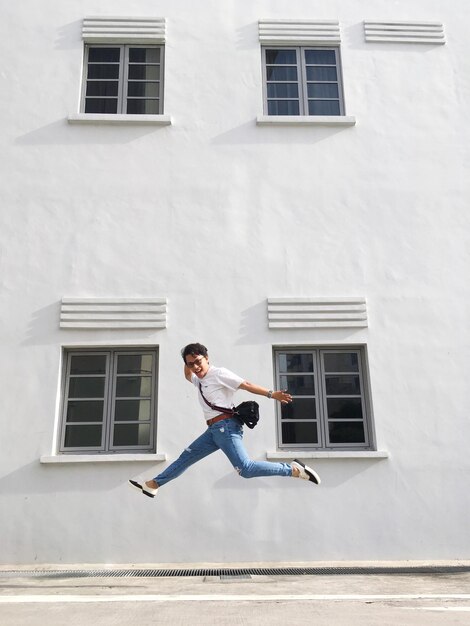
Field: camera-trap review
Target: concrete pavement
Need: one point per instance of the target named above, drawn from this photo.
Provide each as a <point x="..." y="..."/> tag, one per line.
<point x="412" y="599"/>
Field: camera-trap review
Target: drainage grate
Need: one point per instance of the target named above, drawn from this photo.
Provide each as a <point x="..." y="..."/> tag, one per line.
<point x="234" y="574"/>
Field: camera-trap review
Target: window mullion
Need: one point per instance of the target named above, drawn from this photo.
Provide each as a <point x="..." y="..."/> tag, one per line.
<point x="303" y="92"/>
<point x="123" y="78"/>
<point x="110" y="399"/>
<point x="323" y="408"/>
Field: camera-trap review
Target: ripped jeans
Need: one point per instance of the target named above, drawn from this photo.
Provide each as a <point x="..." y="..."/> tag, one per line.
<point x="226" y="435"/>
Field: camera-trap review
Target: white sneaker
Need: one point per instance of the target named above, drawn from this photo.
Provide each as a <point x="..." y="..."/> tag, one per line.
<point x="140" y="484"/>
<point x="305" y="472"/>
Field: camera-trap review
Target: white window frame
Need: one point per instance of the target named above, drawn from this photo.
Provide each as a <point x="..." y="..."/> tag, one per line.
<point x="109" y="397"/>
<point x="302" y="81"/>
<point x="123" y="79"/>
<point x="320" y="395"/>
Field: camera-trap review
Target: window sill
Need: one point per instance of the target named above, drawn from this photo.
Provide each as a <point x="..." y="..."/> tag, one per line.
<point x="327" y="454"/>
<point x="305" y="120"/>
<point x="102" y="458"/>
<point x="104" y="118"/>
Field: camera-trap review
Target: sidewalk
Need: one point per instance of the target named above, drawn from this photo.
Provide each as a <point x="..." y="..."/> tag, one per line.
<point x="434" y="594"/>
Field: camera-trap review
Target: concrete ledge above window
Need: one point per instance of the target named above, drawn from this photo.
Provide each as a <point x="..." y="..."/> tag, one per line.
<point x="327" y="454"/>
<point x="105" y="118"/>
<point x="306" y="120"/>
<point x="103" y="458"/>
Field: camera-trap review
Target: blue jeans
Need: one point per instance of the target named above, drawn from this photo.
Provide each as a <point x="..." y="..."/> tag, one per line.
<point x="226" y="435"/>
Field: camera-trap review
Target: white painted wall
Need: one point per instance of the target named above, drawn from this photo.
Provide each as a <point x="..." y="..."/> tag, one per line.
<point x="217" y="214"/>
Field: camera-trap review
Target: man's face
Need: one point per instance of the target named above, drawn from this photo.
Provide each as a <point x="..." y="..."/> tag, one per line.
<point x="198" y="364"/>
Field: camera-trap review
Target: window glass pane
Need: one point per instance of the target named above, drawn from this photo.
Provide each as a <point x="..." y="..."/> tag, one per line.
<point x="283" y="107"/>
<point x="104" y="55"/>
<point x="132" y="410"/>
<point x="322" y="74"/>
<point x="346" y="432"/>
<point x="88" y="364"/>
<point x="101" y="105"/>
<point x="134" y="364"/>
<point x="144" y="55"/>
<point x="323" y="107"/>
<point x="322" y="90"/>
<point x="102" y="88"/>
<point x="143" y="107"/>
<point x="341" y="361"/>
<point x="320" y="57"/>
<point x="287" y="74"/>
<point x="83" y="436"/>
<point x="344" y="408"/>
<point x="101" y="71"/>
<point x="85" y="411"/>
<point x="131" y="435"/>
<point x="299" y="409"/>
<point x="299" y="432"/>
<point x="144" y="72"/>
<point x="342" y="385"/>
<point x="133" y="387"/>
<point x="89" y="387"/>
<point x="281" y="57"/>
<point x="283" y="90"/>
<point x="295" y="362"/>
<point x="143" y="89"/>
<point x="298" y="385"/>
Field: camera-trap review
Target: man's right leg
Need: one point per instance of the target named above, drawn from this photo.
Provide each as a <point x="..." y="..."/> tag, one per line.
<point x="200" y="448"/>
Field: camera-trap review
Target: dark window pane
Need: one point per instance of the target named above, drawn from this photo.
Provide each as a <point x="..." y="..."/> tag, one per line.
<point x="341" y="362"/>
<point x="85" y="411"/>
<point x="342" y="385"/>
<point x="320" y="57"/>
<point x="134" y="364"/>
<point x="322" y="90"/>
<point x="322" y="74"/>
<point x="281" y="57"/>
<point x="102" y="88"/>
<point x="143" y="89"/>
<point x="299" y="409"/>
<point x="132" y="410"/>
<point x="344" y="408"/>
<point x="295" y="362"/>
<point x="144" y="72"/>
<point x="299" y="432"/>
<point x="133" y="387"/>
<point x="283" y="107"/>
<point x="143" y="107"/>
<point x="323" y="107"/>
<point x="131" y="435"/>
<point x="86" y="387"/>
<point x="346" y="432"/>
<point x="104" y="55"/>
<point x="298" y="385"/>
<point x="283" y="90"/>
<point x="144" y="55"/>
<point x="101" y="71"/>
<point x="83" y="436"/>
<point x="101" y="105"/>
<point x="88" y="364"/>
<point x="286" y="74"/>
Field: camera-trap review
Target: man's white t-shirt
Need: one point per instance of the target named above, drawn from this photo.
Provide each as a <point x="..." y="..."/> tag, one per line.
<point x="218" y="387"/>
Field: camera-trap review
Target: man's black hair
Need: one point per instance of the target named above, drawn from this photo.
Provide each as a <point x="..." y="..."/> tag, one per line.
<point x="193" y="349"/>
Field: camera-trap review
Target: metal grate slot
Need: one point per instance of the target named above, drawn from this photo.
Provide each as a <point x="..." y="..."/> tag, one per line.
<point x="235" y="573"/>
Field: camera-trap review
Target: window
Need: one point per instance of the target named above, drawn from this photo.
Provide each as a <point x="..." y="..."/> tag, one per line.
<point x="109" y="401"/>
<point x="123" y="79"/>
<point x="302" y="81"/>
<point x="330" y="407"/>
